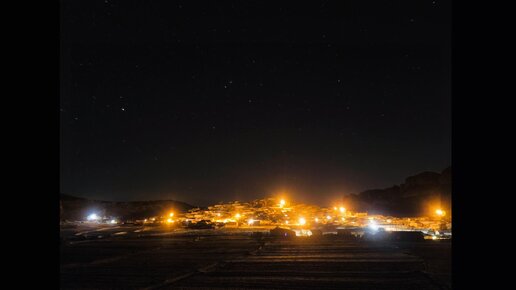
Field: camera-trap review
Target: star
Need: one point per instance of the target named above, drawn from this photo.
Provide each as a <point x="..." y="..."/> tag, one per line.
<point x="123" y="109"/>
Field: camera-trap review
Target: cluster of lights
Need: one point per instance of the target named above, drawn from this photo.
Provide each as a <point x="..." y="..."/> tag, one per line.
<point x="170" y="220"/>
<point x="338" y="214"/>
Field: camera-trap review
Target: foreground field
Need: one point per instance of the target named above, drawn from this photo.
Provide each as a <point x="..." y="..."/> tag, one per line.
<point x="133" y="258"/>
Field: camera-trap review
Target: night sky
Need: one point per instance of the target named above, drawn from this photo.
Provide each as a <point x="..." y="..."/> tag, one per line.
<point x="222" y="100"/>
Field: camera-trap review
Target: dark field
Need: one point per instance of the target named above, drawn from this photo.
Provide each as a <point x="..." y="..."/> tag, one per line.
<point x="218" y="259"/>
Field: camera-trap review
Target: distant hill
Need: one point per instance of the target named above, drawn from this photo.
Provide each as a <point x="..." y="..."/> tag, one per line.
<point x="77" y="208"/>
<point x="411" y="198"/>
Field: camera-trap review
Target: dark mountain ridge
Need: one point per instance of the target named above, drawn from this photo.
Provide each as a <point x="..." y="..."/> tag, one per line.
<point x="417" y="196"/>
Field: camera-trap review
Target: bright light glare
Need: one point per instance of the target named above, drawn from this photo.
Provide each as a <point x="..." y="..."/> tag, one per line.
<point x="316" y="220"/>
<point x="92" y="217"/>
<point x="171" y="214"/>
<point x="282" y="202"/>
<point x="440" y="212"/>
<point x="237" y="216"/>
<point x="342" y="209"/>
<point x="334" y="208"/>
<point x="302" y="221"/>
<point x="170" y="221"/>
<point x="434" y="238"/>
<point x="250" y="222"/>
<point x="328" y="217"/>
<point x="113" y="221"/>
<point x="373" y="225"/>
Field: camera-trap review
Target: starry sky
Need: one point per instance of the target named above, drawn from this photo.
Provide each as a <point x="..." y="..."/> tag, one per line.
<point x="207" y="101"/>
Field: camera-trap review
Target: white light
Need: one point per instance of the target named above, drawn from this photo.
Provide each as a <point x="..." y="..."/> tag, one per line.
<point x="250" y="222"/>
<point x="303" y="233"/>
<point x="302" y="221"/>
<point x="373" y="225"/>
<point x="342" y="209"/>
<point x="92" y="217"/>
<point x="316" y="220"/>
<point x="113" y="221"/>
<point x="328" y="217"/>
